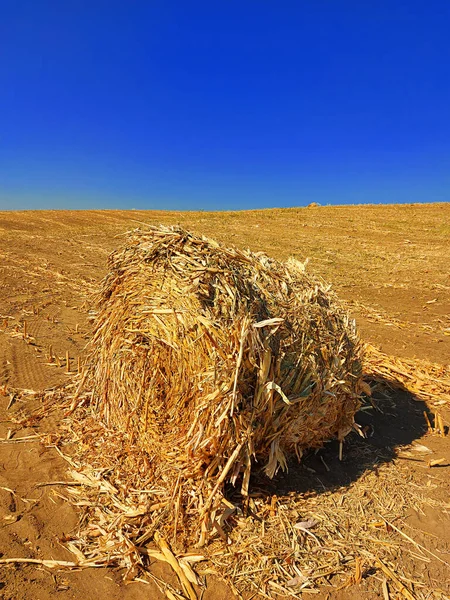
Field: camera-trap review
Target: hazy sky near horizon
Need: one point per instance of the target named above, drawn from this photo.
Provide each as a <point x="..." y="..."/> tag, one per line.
<point x="223" y="105"/>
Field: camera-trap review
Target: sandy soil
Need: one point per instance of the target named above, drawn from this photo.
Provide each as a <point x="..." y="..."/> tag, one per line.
<point x="389" y="263"/>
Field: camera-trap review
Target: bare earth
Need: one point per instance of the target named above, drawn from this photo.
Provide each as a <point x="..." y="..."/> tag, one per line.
<point x="390" y="263"/>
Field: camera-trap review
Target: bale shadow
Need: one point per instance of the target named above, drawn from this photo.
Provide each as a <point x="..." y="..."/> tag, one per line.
<point x="393" y="417"/>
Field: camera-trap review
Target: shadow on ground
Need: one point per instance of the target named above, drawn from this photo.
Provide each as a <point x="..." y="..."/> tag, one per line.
<point x="390" y="419"/>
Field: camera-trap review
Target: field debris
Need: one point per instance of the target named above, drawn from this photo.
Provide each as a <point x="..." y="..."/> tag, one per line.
<point x="270" y="547"/>
<point x="426" y="381"/>
<point x="187" y="404"/>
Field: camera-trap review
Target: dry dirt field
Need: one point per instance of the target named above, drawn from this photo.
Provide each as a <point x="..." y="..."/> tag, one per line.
<point x="389" y="263"/>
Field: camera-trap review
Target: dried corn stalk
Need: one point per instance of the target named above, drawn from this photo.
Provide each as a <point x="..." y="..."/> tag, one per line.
<point x="214" y="359"/>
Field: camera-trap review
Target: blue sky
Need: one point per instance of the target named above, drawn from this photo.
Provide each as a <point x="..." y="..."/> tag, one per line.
<point x="223" y="105"/>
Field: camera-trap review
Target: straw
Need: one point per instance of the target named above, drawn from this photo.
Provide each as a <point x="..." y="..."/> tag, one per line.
<point x="214" y="359"/>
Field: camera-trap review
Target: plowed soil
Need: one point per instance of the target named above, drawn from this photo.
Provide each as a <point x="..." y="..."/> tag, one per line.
<point x="389" y="263"/>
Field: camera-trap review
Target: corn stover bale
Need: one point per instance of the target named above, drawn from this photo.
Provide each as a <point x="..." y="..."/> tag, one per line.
<point x="215" y="359"/>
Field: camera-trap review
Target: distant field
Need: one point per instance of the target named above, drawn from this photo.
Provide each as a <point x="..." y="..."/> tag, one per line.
<point x="389" y="262"/>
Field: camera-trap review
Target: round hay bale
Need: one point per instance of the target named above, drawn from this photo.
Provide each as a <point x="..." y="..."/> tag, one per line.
<point x="213" y="359"/>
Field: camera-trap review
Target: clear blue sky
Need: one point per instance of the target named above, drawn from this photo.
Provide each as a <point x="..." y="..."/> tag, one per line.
<point x="223" y="104"/>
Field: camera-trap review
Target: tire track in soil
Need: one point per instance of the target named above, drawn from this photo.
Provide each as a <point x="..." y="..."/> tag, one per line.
<point x="26" y="369"/>
<point x="34" y="327"/>
<point x="5" y="370"/>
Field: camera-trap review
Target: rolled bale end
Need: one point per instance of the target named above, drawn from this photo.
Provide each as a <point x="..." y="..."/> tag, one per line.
<point x="214" y="359"/>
